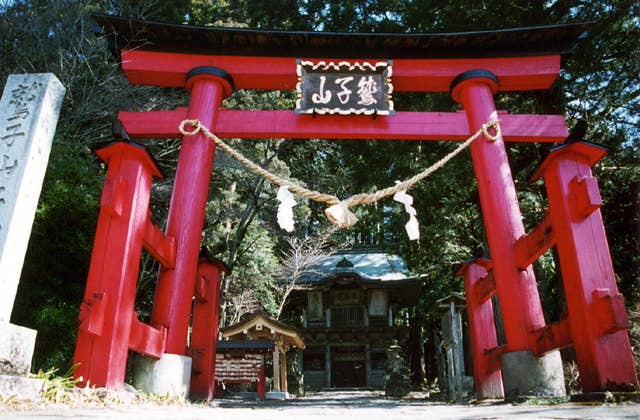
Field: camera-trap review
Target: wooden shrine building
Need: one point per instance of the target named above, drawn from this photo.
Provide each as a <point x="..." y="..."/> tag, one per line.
<point x="261" y="327"/>
<point x="349" y="303"/>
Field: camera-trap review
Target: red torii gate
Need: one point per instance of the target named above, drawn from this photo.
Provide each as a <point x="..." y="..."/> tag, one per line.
<point x="211" y="62"/>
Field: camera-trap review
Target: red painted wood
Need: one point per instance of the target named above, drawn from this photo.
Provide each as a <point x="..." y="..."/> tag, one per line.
<point x="586" y="196"/>
<point x="401" y="126"/>
<point x="517" y="290"/>
<point x="174" y="291"/>
<point x="145" y="339"/>
<point x="91" y="315"/>
<point x="279" y="73"/>
<point x="535" y="243"/>
<point x="160" y="246"/>
<point x="204" y="333"/>
<point x="551" y="337"/>
<point x="485" y="287"/>
<point x="601" y="342"/>
<point x="487" y="375"/>
<point x="112" y="198"/>
<point x="494" y="358"/>
<point x="105" y="317"/>
<point x="611" y="311"/>
<point x="262" y="383"/>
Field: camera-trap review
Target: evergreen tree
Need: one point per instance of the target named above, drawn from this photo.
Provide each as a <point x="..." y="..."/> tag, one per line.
<point x="599" y="84"/>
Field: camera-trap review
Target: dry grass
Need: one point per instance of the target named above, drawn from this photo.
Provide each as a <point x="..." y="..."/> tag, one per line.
<point x="61" y="391"/>
<point x="572" y="377"/>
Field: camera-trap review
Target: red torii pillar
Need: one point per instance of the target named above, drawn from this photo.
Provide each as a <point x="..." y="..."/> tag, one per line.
<point x="479" y="286"/>
<point x="172" y="306"/>
<point x="107" y="318"/>
<point x="204" y="331"/>
<point x="517" y="290"/>
<point x="597" y="316"/>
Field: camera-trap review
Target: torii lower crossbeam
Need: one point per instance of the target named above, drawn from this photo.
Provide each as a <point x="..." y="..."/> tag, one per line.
<point x="401" y="126"/>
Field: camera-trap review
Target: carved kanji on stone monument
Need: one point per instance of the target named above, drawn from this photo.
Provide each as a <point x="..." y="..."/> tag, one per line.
<point x="29" y="111"/>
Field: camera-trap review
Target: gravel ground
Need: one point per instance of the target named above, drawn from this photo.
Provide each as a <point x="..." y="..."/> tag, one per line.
<point x="335" y="405"/>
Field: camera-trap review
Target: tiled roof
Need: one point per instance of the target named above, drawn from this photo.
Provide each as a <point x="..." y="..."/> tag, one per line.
<point x="369" y="267"/>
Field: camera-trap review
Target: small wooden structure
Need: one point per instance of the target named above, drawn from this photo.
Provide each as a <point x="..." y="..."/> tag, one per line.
<point x="242" y="362"/>
<point x="261" y="326"/>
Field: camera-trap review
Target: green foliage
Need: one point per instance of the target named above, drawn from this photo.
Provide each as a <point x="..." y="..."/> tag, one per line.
<point x="599" y="83"/>
<point x="56" y="388"/>
<point x="53" y="36"/>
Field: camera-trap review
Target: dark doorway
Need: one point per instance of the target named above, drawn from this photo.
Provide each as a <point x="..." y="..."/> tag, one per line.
<point x="348" y="370"/>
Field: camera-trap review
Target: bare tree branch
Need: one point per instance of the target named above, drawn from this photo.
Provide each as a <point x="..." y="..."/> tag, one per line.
<point x="299" y="260"/>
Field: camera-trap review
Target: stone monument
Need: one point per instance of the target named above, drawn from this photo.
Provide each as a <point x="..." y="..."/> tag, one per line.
<point x="397" y="383"/>
<point x="29" y="111"/>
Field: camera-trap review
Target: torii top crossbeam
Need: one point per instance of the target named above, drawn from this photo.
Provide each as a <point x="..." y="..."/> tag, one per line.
<point x="156" y="36"/>
<point x="163" y="54"/>
<point x="435" y="59"/>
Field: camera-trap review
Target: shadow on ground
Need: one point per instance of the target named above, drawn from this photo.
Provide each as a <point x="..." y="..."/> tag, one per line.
<point x="334" y="398"/>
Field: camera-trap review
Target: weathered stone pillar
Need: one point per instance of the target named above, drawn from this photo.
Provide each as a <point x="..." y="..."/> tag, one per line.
<point x="28" y="115"/>
<point x="29" y="111"/>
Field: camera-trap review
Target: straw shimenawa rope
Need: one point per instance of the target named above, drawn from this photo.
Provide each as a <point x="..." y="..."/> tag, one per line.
<point x="338" y="211"/>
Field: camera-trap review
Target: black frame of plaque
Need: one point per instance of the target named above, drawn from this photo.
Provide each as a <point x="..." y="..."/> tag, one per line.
<point x="344" y="88"/>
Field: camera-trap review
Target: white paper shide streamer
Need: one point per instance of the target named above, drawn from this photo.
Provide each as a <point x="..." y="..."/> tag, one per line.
<point x="412" y="226"/>
<point x="285" y="209"/>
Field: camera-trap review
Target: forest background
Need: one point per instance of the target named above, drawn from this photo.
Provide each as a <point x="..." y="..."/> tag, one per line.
<point x="599" y="84"/>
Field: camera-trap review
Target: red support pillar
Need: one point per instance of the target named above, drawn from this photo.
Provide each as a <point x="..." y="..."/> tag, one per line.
<point x="172" y="306"/>
<point x="262" y="381"/>
<point x="516" y="288"/>
<point x="204" y="332"/>
<point x="106" y="311"/>
<point x="597" y="316"/>
<point x="487" y="374"/>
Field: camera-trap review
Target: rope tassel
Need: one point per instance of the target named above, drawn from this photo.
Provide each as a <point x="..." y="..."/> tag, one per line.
<point x="340" y="215"/>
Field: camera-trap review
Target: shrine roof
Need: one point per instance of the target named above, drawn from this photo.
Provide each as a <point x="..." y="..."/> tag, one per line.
<point x="456" y="298"/>
<point x="367" y="266"/>
<point x="128" y="33"/>
<point x="261" y="323"/>
<point x="245" y="345"/>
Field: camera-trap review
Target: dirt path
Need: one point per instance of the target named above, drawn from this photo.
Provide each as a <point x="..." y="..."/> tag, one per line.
<point x="342" y="405"/>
